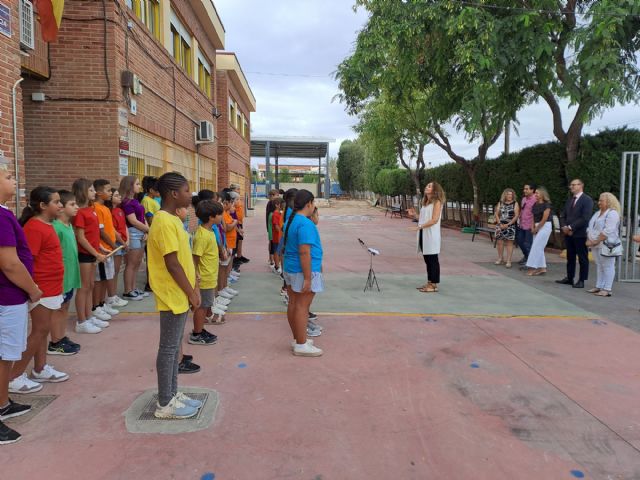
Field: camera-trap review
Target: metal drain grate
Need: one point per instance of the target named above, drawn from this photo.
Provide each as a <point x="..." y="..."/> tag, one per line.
<point x="37" y="402"/>
<point x="150" y="407"/>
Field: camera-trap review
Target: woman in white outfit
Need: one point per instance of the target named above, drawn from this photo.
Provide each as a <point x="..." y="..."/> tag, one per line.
<point x="604" y="226"/>
<point x="428" y="233"/>
<point x="536" y="262"/>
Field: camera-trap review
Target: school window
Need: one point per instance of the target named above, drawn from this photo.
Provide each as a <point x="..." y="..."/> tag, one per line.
<point x="232" y="112"/>
<point x="149" y="12"/>
<point x="180" y="45"/>
<point x="204" y="75"/>
<point x="238" y="124"/>
<point x="245" y="128"/>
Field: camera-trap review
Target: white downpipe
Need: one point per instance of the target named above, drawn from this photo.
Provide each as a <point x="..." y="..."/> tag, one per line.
<point x="15" y="144"/>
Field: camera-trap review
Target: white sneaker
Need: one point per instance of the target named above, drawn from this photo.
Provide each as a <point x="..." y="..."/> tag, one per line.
<point x="222" y="301"/>
<point x="100" y="314"/>
<point x="279" y="271"/>
<point x="142" y="293"/>
<point x="110" y="310"/>
<point x="215" y="311"/>
<point x="175" y="409"/>
<point x="293" y="342"/>
<point x="231" y="291"/>
<point x="98" y="323"/>
<point x="117" y="302"/>
<point x="233" y="279"/>
<point x="272" y="267"/>
<point x="23" y="385"/>
<point x="226" y="295"/>
<point x="49" y="374"/>
<point x="306" y="350"/>
<point x="87" y="327"/>
<point x="192" y="402"/>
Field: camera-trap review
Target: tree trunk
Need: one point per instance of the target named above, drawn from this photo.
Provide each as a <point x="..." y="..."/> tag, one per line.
<point x="572" y="145"/>
<point x="471" y="172"/>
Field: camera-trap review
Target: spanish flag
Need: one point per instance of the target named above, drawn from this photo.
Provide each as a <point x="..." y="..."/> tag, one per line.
<point x="50" y="13"/>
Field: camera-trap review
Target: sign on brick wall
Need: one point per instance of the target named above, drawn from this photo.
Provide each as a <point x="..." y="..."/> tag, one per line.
<point x="5" y="20"/>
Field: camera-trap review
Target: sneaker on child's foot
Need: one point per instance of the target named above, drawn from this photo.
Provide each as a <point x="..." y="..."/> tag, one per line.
<point x="71" y="343"/>
<point x="215" y="311"/>
<point x="225" y="294"/>
<point x="143" y="293"/>
<point x="216" y="318"/>
<point x="132" y="296"/>
<point x="49" y="374"/>
<point x="312" y="316"/>
<point x="100" y="314"/>
<point x="87" y="327"/>
<point x="202" y="338"/>
<point x="175" y="409"/>
<point x="244" y="259"/>
<point x="187" y="366"/>
<point x="117" y="302"/>
<point x="192" y="402"/>
<point x="232" y="280"/>
<point x="224" y="308"/>
<point x="61" y="348"/>
<point x="13" y="410"/>
<point x="307" y="350"/>
<point x="313" y="332"/>
<point x="22" y="384"/>
<point x="110" y="310"/>
<point x="231" y="291"/>
<point x="283" y="292"/>
<point x="8" y="435"/>
<point x="294" y="343"/>
<point x="222" y="301"/>
<point x="98" y="323"/>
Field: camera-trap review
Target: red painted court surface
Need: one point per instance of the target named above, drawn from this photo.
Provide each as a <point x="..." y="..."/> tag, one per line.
<point x="396" y="396"/>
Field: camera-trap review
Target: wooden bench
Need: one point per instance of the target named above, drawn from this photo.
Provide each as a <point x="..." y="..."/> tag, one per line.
<point x="396" y="210"/>
<point x="478" y="229"/>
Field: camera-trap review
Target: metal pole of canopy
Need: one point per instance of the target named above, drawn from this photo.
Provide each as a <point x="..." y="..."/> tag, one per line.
<point x="267" y="175"/>
<point x="327" y="180"/>
<point x="277" y="170"/>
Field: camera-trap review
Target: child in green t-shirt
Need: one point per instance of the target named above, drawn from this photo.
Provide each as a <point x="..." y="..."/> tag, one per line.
<point x="60" y="344"/>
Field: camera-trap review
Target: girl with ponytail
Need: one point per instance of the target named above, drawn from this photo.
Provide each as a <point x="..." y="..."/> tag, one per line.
<point x="302" y="270"/>
<point x="48" y="272"/>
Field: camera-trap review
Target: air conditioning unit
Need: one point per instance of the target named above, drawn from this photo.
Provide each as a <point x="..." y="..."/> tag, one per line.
<point x="205" y="131"/>
<point x="27" y="30"/>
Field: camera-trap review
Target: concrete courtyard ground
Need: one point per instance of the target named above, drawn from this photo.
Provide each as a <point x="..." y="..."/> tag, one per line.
<point x="498" y="376"/>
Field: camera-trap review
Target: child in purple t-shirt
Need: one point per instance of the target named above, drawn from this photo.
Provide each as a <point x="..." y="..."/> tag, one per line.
<point x="16" y="288"/>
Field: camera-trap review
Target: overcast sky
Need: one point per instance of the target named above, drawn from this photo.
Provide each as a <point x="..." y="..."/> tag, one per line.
<point x="288" y="50"/>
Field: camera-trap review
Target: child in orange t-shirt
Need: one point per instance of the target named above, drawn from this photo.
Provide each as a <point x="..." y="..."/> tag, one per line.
<point x="276" y="234"/>
<point x="231" y="232"/>
<point x="105" y="271"/>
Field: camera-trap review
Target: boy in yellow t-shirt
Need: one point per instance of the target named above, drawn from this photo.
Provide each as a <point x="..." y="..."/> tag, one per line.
<point x="205" y="259"/>
<point x="173" y="279"/>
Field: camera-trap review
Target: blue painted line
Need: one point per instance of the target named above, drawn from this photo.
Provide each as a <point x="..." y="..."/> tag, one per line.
<point x="208" y="476"/>
<point x="577" y="473"/>
<point x="242" y="365"/>
<point x="475" y="365"/>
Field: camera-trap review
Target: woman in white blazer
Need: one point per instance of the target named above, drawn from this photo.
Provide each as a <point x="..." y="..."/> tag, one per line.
<point x="604" y="226"/>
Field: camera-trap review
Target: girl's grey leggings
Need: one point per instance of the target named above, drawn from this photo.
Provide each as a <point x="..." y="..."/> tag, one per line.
<point x="171" y="331"/>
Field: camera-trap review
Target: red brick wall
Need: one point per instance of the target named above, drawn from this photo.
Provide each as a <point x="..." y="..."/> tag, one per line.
<point x="9" y="73"/>
<point x="69" y="138"/>
<point x="234" y="152"/>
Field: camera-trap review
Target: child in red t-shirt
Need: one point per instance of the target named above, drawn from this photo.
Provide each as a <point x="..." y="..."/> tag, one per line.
<point x="48" y="272"/>
<point x="87" y="229"/>
<point x="276" y="234"/>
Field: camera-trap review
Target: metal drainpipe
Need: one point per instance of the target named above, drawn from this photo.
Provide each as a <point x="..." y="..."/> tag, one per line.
<point x="15" y="143"/>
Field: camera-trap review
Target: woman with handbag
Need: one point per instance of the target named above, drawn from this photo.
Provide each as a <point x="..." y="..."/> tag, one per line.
<point x="508" y="212"/>
<point x="603" y="236"/>
<point x="537" y="262"/>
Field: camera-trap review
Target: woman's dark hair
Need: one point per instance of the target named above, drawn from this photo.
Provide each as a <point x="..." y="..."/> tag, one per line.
<point x="37" y="196"/>
<point x="201" y="196"/>
<point x="109" y="203"/>
<point x="170" y="182"/>
<point x="301" y="199"/>
<point x="65" y="197"/>
<point x="225" y="196"/>
<point x="148" y="183"/>
<point x="271" y="207"/>
<point x="281" y="192"/>
<point x="207" y="209"/>
<point x="289" y="195"/>
<point x="80" y="189"/>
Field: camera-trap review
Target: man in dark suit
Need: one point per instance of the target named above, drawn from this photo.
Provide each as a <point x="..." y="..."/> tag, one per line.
<point x="574" y="221"/>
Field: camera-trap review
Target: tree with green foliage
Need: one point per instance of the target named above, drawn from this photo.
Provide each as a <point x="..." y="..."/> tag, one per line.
<point x="432" y="63"/>
<point x="284" y="175"/>
<point x="351" y="166"/>
<point x="583" y="51"/>
<point x="310" y="178"/>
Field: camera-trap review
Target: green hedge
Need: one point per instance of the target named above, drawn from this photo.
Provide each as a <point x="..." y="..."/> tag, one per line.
<point x="598" y="164"/>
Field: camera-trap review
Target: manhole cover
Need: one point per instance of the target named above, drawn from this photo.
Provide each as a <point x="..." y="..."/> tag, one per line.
<point x="150" y="407"/>
<point x="37" y="402"/>
<point x="139" y="416"/>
